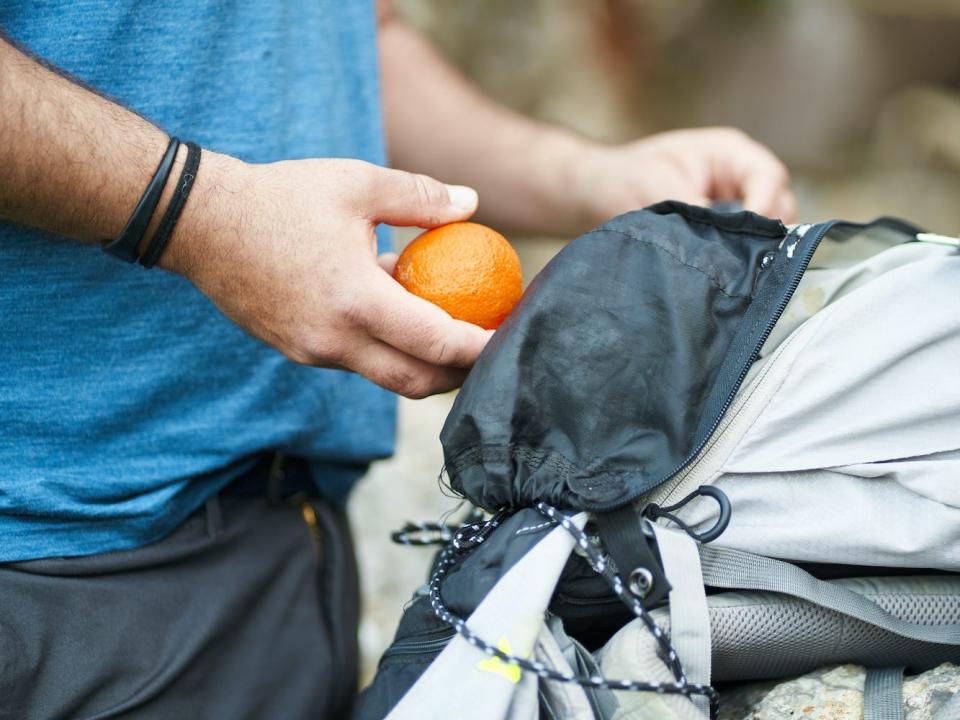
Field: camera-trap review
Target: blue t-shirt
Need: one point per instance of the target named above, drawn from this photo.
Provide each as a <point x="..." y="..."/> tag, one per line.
<point x="126" y="398"/>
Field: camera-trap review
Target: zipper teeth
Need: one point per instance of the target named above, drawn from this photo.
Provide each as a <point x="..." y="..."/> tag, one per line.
<point x="679" y="482"/>
<point x="781" y="306"/>
<point x="416" y="646"/>
<point x="678" y="479"/>
<point x="609" y="600"/>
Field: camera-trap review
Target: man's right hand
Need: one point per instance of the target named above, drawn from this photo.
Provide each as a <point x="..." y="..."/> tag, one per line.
<point x="287" y="250"/>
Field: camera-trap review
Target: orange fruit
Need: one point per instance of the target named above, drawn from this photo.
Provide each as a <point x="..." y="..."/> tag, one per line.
<point x="467" y="269"/>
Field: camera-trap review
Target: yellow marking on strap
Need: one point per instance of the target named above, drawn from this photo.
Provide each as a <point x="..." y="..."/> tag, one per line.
<point x="495" y="665"/>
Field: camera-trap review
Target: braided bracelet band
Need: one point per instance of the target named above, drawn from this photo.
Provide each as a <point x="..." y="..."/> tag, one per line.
<point x="161" y="236"/>
<point x="126" y="244"/>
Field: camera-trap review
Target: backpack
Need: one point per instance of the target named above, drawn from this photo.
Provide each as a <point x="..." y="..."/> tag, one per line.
<point x="711" y="449"/>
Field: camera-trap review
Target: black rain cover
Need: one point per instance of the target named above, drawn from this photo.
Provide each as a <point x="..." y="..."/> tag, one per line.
<point x="619" y="359"/>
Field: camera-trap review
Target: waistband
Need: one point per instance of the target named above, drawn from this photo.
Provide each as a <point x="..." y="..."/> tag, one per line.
<point x="275" y="475"/>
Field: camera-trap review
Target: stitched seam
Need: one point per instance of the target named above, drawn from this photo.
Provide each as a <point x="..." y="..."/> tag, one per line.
<point x="723" y="226"/>
<point x="565" y="469"/>
<point x="737" y="231"/>
<point x="714" y="282"/>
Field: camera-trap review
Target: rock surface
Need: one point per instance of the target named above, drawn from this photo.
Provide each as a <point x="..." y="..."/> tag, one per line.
<point x="836" y="693"/>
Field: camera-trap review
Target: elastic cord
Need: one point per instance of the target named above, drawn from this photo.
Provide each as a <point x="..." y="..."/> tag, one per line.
<point x="169" y="220"/>
<point x="126" y="244"/>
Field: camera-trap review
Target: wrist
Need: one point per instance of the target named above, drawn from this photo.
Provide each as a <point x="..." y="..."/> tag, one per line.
<point x="573" y="166"/>
<point x="587" y="177"/>
<point x="212" y="213"/>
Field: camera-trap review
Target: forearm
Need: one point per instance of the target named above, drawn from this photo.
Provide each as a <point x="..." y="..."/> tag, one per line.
<point x="285" y="249"/>
<point x="74" y="163"/>
<point x="439" y="124"/>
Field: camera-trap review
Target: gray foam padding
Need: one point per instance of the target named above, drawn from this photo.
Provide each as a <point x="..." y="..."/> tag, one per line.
<point x="760" y="635"/>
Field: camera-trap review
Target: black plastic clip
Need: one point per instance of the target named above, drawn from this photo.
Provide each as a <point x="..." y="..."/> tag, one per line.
<point x="654" y="511"/>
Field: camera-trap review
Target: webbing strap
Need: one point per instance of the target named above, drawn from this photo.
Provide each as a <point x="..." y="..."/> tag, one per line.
<point x="883" y="694"/>
<point x="689" y="615"/>
<point x="622" y="534"/>
<point x="735" y="569"/>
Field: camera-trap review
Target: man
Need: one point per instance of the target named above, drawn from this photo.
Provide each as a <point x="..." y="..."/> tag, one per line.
<point x="173" y="461"/>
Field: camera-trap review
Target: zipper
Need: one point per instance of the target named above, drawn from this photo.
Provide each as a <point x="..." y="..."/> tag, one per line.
<point x="800" y="232"/>
<point x="579" y="608"/>
<point x="309" y="515"/>
<point x="585" y="601"/>
<point x="673" y="488"/>
<point x="325" y="539"/>
<point x="680" y="475"/>
<point x="417" y="647"/>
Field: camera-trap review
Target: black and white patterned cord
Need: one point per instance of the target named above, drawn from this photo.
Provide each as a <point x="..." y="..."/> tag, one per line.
<point x="601" y="565"/>
<point x="430" y="533"/>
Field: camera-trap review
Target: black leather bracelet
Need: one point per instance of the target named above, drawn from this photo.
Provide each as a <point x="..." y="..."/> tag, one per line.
<point x="126" y="244"/>
<point x="169" y="220"/>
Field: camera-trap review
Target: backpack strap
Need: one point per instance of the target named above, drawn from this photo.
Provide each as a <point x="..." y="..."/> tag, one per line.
<point x="628" y="538"/>
<point x="883" y="694"/>
<point x="735" y="569"/>
<point x="689" y="615"/>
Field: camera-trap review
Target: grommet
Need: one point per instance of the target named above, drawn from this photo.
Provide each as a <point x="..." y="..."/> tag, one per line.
<point x="640" y="582"/>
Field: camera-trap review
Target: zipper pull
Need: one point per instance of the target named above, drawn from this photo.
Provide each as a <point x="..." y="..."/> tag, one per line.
<point x="798" y="231"/>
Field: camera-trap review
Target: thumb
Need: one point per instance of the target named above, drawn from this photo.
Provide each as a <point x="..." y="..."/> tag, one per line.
<point x="409" y="199"/>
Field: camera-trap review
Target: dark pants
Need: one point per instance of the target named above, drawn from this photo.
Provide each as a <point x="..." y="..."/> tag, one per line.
<point x="248" y="610"/>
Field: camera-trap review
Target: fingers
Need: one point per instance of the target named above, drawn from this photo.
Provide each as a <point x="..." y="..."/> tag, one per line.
<point x="394" y="370"/>
<point x="788" y="208"/>
<point x="766" y="190"/>
<point x="407" y="199"/>
<point x="421" y="329"/>
<point x="760" y="179"/>
<point x="409" y="345"/>
<point x="399" y="341"/>
<point x="691" y="197"/>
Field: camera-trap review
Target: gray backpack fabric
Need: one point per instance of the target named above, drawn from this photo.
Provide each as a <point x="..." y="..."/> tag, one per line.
<point x="738" y="458"/>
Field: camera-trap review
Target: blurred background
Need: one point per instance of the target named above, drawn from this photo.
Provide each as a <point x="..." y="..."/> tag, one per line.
<point x="860" y="98"/>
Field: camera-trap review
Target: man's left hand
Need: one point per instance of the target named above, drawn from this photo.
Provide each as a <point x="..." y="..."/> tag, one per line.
<point x="700" y="167"/>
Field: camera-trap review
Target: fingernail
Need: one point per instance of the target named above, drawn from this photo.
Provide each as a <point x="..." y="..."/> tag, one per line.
<point x="462" y="198"/>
